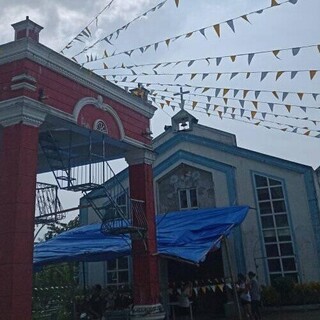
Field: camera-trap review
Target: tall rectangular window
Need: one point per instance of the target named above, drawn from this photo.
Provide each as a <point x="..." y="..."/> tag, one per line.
<point x="276" y="231"/>
<point x="118" y="272"/>
<point x="188" y="198"/>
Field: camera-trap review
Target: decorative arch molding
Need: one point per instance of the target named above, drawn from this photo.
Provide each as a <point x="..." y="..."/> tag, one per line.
<point x="98" y="102"/>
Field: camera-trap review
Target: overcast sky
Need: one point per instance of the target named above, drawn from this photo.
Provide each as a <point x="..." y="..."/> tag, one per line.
<point x="284" y="26"/>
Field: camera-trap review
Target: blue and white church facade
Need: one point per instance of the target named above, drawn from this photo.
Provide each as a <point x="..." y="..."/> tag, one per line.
<point x="199" y="167"/>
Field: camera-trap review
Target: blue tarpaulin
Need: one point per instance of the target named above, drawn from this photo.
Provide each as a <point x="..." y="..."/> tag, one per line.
<point x="187" y="235"/>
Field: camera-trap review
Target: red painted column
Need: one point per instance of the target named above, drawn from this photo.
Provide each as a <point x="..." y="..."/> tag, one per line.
<point x="145" y="263"/>
<point x="18" y="166"/>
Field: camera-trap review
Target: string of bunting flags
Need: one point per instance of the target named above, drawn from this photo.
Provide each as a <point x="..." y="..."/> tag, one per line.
<point x="115" y="34"/>
<point x="305" y="131"/>
<point x="242" y="102"/>
<point x="194" y="103"/>
<point x="201" y="288"/>
<point x="202" y="31"/>
<point x="236" y="91"/>
<point x="231" y="74"/>
<point x="85" y="32"/>
<point x="233" y="57"/>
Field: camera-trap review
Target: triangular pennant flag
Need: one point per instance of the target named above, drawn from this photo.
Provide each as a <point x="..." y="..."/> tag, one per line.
<point x="225" y="100"/>
<point x="255" y="104"/>
<point x="293" y="74"/>
<point x="177" y="3"/>
<point x="312" y="73"/>
<point x="245" y="92"/>
<point x="168" y="42"/>
<point x="241" y="103"/>
<point x="307" y="133"/>
<point x="288" y="106"/>
<point x="271" y="106"/>
<point x="190" y="63"/>
<point x="293" y="1"/>
<point x="218" y="60"/>
<point x="284" y="95"/>
<point x="220" y="114"/>
<point x="205" y="89"/>
<point x="233" y="74"/>
<point x="250" y="57"/>
<point x="209" y="98"/>
<point x="233" y="116"/>
<point x="256" y="94"/>
<point x="248" y="75"/>
<point x="315" y="95"/>
<point x="209" y="114"/>
<point x="225" y="109"/>
<point x="213" y="288"/>
<point x="217" y="91"/>
<point x="233" y="58"/>
<point x="233" y="110"/>
<point x="177" y="76"/>
<point x="300" y="95"/>
<point x="188" y="35"/>
<point x="194" y="104"/>
<point x="221" y="286"/>
<point x="274" y="3"/>
<point x="173" y="107"/>
<point x="275" y="53"/>
<point x="192" y="76"/>
<point x="105" y="66"/>
<point x="257" y="123"/>
<point x="263" y="115"/>
<point x="244" y="17"/>
<point x="204" y="75"/>
<point x="235" y="92"/>
<point x="218" y="76"/>
<point x="275" y="94"/>
<point x="167" y="102"/>
<point x="253" y="113"/>
<point x="215" y="107"/>
<point x="216" y="28"/>
<point x="225" y="91"/>
<point x="141" y="49"/>
<point x="231" y="25"/>
<point x="202" y="31"/>
<point x="303" y="109"/>
<point x="204" y="289"/>
<point x="263" y="75"/>
<point x="241" y="112"/>
<point x="318" y="46"/>
<point x="207" y="107"/>
<point x="161" y="105"/>
<point x="278" y="75"/>
<point x="156" y="46"/>
<point x="295" y="51"/>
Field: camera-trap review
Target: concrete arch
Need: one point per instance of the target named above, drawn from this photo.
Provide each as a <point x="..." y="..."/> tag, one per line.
<point x="98" y="102"/>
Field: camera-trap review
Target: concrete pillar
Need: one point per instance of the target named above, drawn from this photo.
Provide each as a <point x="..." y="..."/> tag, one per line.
<point x="145" y="264"/>
<point x="20" y="121"/>
<point x="18" y="168"/>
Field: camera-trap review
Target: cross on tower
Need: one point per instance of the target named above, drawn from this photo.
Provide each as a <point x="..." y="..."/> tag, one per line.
<point x="181" y="93"/>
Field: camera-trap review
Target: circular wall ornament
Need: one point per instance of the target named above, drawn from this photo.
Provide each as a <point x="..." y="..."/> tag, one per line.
<point x="100" y="125"/>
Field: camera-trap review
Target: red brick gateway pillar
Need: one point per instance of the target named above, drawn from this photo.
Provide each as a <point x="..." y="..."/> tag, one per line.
<point x="145" y="262"/>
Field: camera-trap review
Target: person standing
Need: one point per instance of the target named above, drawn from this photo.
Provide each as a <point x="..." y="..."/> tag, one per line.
<point x="243" y="287"/>
<point x="255" y="296"/>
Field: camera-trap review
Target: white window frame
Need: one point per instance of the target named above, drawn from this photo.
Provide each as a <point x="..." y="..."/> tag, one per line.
<point x="276" y="230"/>
<point x="188" y="195"/>
<point x="116" y="271"/>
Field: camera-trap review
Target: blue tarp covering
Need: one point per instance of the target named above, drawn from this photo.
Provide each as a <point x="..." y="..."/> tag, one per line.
<point x="187" y="235"/>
